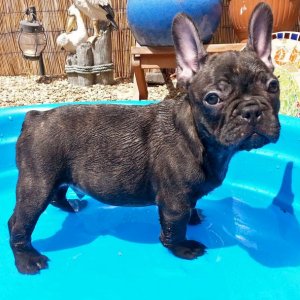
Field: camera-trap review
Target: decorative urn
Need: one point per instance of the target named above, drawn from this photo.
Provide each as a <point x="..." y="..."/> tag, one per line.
<point x="285" y="13"/>
<point x="151" y="22"/>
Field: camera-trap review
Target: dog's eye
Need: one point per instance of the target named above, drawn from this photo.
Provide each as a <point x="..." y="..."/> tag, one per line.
<point x="273" y="86"/>
<point x="212" y="99"/>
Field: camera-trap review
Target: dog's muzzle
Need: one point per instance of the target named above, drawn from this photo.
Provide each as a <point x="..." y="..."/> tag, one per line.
<point x="254" y="124"/>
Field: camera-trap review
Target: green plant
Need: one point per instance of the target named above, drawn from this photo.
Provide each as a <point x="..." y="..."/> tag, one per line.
<point x="289" y="92"/>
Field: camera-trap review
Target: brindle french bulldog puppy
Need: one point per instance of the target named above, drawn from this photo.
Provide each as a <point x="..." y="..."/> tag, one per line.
<point x="168" y="154"/>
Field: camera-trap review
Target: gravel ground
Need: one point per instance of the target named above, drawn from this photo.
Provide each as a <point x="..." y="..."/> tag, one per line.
<point x="27" y="90"/>
<point x="22" y="90"/>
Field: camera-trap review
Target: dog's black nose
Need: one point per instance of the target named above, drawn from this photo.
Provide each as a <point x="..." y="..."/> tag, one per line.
<point x="251" y="113"/>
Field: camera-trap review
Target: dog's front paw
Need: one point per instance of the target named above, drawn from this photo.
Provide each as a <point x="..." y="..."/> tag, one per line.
<point x="31" y="262"/>
<point x="187" y="249"/>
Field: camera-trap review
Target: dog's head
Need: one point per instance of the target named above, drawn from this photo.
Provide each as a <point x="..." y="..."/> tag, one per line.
<point x="234" y="95"/>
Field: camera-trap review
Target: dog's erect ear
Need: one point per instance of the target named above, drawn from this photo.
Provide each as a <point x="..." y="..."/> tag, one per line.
<point x="188" y="47"/>
<point x="260" y="33"/>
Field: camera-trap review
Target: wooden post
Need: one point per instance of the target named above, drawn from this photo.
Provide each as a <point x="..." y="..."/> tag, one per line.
<point x="140" y="80"/>
<point x="103" y="54"/>
<point x="85" y="58"/>
<point x="72" y="61"/>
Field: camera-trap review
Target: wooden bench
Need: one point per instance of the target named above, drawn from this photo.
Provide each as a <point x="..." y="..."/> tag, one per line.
<point x="164" y="58"/>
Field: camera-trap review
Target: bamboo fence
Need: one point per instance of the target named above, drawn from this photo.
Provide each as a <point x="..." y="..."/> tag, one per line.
<point x="53" y="15"/>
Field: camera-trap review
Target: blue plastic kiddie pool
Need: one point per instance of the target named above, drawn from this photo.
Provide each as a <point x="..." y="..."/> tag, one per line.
<point x="251" y="230"/>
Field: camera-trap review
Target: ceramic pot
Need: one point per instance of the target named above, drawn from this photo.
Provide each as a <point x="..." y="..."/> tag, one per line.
<point x="285" y="14"/>
<point x="151" y="22"/>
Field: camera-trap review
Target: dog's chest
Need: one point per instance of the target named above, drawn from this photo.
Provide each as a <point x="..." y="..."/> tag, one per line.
<point x="215" y="166"/>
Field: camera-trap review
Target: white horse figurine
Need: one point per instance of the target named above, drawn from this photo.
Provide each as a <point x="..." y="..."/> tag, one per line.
<point x="70" y="39"/>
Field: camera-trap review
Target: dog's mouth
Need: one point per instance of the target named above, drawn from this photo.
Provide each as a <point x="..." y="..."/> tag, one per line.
<point x="254" y="141"/>
<point x="249" y="137"/>
<point x="257" y="139"/>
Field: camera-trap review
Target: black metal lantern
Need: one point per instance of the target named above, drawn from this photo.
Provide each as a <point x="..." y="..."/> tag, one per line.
<point x="32" y="39"/>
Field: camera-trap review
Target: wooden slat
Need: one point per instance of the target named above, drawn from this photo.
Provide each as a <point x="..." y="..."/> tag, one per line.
<point x="213" y="48"/>
<point x="158" y="62"/>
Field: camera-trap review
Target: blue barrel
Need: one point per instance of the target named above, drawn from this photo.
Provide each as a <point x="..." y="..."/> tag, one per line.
<point x="151" y="20"/>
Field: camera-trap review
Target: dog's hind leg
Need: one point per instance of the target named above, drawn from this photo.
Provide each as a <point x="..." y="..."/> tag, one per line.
<point x="59" y="200"/>
<point x="196" y="215"/>
<point x="33" y="197"/>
